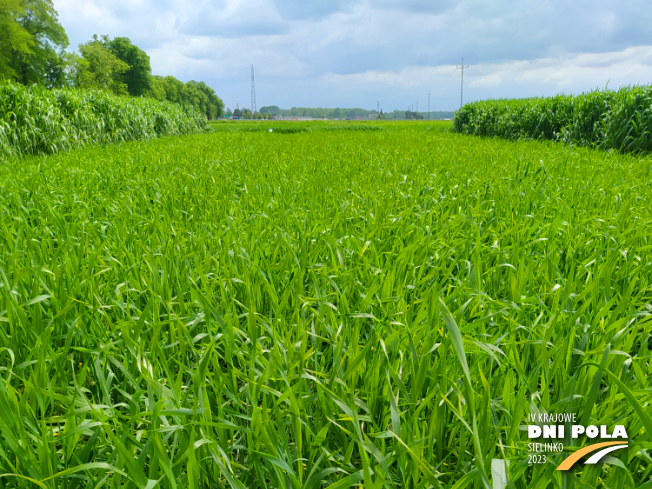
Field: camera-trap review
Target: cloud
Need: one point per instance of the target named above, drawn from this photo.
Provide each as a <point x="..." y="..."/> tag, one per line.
<point x="310" y="9"/>
<point x="339" y="49"/>
<point x="545" y="76"/>
<point x="493" y="80"/>
<point x="232" y="19"/>
<point x="417" y="6"/>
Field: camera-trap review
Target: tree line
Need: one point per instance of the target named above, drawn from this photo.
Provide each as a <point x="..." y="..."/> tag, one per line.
<point x="247" y="114"/>
<point x="33" y="51"/>
<point x="317" y="113"/>
<point x="412" y="115"/>
<point x="340" y="113"/>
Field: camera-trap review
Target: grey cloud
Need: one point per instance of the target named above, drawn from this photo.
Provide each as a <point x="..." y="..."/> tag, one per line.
<point x="299" y="42"/>
<point x="214" y="27"/>
<point x="419" y="6"/>
<point x="310" y="9"/>
<point x="224" y="19"/>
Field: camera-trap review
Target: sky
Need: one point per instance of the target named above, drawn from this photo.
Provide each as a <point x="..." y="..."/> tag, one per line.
<point x="360" y="53"/>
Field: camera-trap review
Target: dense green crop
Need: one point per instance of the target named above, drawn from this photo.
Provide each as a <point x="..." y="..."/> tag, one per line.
<point x="619" y="120"/>
<point x="321" y="309"/>
<point x="34" y="120"/>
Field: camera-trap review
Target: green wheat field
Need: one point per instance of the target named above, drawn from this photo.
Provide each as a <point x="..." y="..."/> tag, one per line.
<point x="322" y="305"/>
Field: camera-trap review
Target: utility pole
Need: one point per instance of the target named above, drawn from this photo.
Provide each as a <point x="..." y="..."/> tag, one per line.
<point x="462" y="85"/>
<point x="417" y="106"/>
<point x="428" y="104"/>
<point x="253" y="93"/>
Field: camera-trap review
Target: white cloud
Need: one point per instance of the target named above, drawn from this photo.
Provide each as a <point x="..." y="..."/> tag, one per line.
<point x="493" y="80"/>
<point x="354" y="52"/>
<point x="546" y="76"/>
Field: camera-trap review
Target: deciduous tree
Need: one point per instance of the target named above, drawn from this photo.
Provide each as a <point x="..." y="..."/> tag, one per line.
<point x="99" y="68"/>
<point x="138" y="77"/>
<point x="14" y="39"/>
<point x="34" y="61"/>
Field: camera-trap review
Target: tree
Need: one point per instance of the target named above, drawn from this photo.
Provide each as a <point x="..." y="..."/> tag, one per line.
<point x="40" y="20"/>
<point x="158" y="88"/>
<point x="380" y="114"/>
<point x="237" y="113"/>
<point x="214" y="107"/>
<point x="99" y="68"/>
<point x="138" y="77"/>
<point x="271" y="109"/>
<point x="170" y="87"/>
<point x="196" y="94"/>
<point x="56" y="70"/>
<point x="409" y="115"/>
<point x="14" y="39"/>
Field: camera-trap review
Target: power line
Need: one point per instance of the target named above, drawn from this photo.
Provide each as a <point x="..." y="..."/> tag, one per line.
<point x="253" y="92"/>
<point x="462" y="84"/>
<point x="332" y="90"/>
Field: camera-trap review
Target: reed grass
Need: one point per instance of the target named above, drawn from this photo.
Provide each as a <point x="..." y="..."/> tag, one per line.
<point x="34" y="120"/>
<point x="620" y="120"/>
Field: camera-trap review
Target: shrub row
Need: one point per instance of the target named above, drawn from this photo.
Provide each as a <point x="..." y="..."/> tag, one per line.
<point x="35" y="120"/>
<point x="605" y="119"/>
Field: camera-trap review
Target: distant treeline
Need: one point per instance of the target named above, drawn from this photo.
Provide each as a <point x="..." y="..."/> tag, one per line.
<point x="355" y="113"/>
<point x="408" y="115"/>
<point x="33" y="51"/>
<point x="317" y="113"/>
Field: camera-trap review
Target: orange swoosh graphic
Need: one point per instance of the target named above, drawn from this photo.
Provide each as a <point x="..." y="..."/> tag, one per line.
<point x="570" y="461"/>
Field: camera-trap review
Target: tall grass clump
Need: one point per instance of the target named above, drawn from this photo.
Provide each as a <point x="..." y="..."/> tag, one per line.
<point x="377" y="309"/>
<point x="34" y="120"/>
<point x="620" y="120"/>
